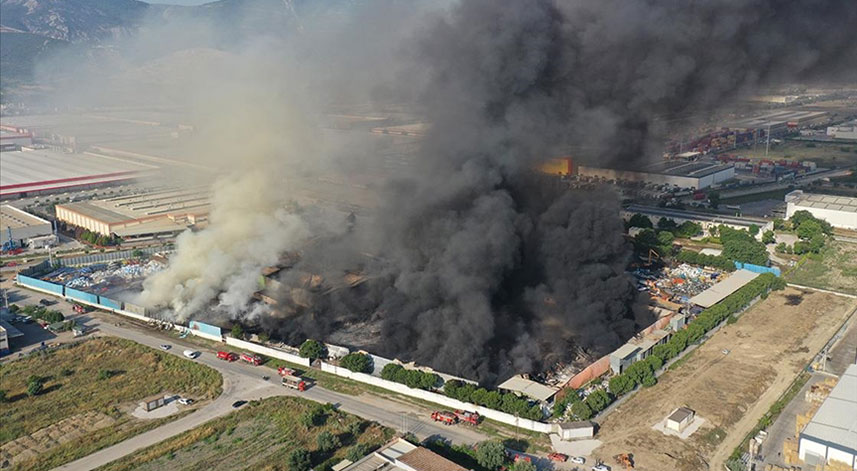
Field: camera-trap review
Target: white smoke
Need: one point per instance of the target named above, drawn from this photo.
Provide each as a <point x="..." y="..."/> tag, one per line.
<point x="248" y="230"/>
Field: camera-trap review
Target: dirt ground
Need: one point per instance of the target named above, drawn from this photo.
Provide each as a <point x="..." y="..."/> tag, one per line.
<point x="767" y="348"/>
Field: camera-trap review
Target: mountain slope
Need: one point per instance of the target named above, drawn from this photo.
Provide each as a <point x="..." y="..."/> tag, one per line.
<point x="73" y="20"/>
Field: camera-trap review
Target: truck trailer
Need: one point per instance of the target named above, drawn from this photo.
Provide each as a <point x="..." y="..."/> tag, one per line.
<point x="294" y="382"/>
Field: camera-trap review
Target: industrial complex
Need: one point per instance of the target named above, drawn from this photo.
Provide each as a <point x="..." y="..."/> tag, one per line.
<point x="680" y="173"/>
<point x="156" y="213"/>
<point x="19" y="228"/>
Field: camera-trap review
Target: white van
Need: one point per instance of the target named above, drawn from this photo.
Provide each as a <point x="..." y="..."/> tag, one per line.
<point x="192" y="354"/>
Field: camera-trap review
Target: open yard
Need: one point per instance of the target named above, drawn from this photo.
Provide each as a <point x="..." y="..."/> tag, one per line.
<point x="261" y="436"/>
<point x="835" y="269"/>
<point x="88" y="391"/>
<point x="730" y="381"/>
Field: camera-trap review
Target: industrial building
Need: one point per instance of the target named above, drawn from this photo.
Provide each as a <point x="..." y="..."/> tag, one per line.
<point x="844" y="131"/>
<point x="839" y="211"/>
<point x="159" y="213"/>
<point x="680" y="173"/>
<point x="831" y="435"/>
<point x="680" y="419"/>
<point x="721" y="290"/>
<point x="638" y="348"/>
<point x="29" y="172"/>
<point x="400" y="455"/>
<point x="24" y="229"/>
<point x="706" y="220"/>
<point x="11" y="139"/>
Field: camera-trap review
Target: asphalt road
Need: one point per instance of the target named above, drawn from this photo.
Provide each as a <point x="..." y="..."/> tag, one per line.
<point x="242" y="381"/>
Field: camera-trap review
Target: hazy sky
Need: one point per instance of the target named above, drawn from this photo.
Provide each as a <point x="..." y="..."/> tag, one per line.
<point x="180" y="2"/>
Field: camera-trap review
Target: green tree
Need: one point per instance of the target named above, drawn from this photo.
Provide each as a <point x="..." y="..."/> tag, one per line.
<point x="688" y="229"/>
<point x="665" y="240"/>
<point x="327" y="441"/>
<point x="581" y="410"/>
<point x="2" y="396"/>
<point x="357" y="362"/>
<point x="809" y="229"/>
<point x="237" y="331"/>
<point x="714" y="199"/>
<point x="753" y="230"/>
<point x="104" y="374"/>
<point x="490" y="454"/>
<point x="312" y="349"/>
<point x="780" y="248"/>
<point x="620" y="384"/>
<point x="300" y="460"/>
<point x="667" y="224"/>
<point x="780" y="224"/>
<point x="313" y="417"/>
<point x="639" y="220"/>
<point x="137" y="253"/>
<point x="769" y="237"/>
<point x="598" y="400"/>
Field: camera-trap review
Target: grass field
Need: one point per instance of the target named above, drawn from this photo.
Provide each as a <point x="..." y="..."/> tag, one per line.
<point x="835" y="269"/>
<point x="260" y="436"/>
<point x="89" y="389"/>
<point x="825" y="155"/>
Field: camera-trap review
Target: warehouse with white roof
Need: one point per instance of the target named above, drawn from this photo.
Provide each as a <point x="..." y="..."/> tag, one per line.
<point x="831" y="435"/>
<point x="839" y="211"/>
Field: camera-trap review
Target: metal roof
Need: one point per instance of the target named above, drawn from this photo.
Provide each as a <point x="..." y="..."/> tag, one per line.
<point x="13" y="217"/>
<point x="680" y="414"/>
<point x="835" y="203"/>
<point x="528" y="387"/>
<point x="625" y="351"/>
<point x="835" y="422"/>
<point x="716" y="293"/>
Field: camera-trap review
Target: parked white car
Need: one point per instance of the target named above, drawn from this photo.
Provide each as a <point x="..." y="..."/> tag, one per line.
<point x="601" y="467"/>
<point x="577" y="459"/>
<point x="192" y="354"/>
<point x="185" y="401"/>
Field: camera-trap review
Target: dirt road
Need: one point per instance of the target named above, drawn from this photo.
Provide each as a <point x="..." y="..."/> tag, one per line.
<point x="767" y="348"/>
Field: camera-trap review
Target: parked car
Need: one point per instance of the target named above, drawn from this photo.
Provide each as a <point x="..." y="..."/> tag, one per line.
<point x="558" y="457"/>
<point x="238" y="404"/>
<point x="192" y="354"/>
<point x="601" y="467"/>
<point x="185" y="401"/>
<point x="46" y="302"/>
<point x="166" y="347"/>
<point x="578" y="459"/>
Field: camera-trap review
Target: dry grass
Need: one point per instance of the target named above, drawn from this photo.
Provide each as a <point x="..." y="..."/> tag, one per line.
<point x="260" y="436"/>
<point x="72" y="388"/>
<point x="835" y="269"/>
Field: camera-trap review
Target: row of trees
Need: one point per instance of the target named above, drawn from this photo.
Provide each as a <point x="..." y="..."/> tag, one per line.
<point x="696" y="258"/>
<point x="506" y="402"/>
<point x="38" y="312"/>
<point x="357" y="362"/>
<point x="411" y="378"/>
<point x="643" y="372"/>
<point x="98" y="239"/>
<point x="684" y="230"/>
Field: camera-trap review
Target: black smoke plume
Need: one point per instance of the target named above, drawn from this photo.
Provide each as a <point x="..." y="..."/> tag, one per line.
<point x="485" y="269"/>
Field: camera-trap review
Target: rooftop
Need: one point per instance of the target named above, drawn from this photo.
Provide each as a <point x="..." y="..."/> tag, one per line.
<point x="625" y="351"/>
<point x="528" y="388"/>
<point x="163" y="202"/>
<point x="696" y="216"/>
<point x="680" y="414"/>
<point x="813" y="200"/>
<point x="15" y="218"/>
<point x="686" y="169"/>
<point x="399" y="455"/>
<point x="423" y="459"/>
<point x="777" y="118"/>
<point x="716" y="293"/>
<point x="836" y="420"/>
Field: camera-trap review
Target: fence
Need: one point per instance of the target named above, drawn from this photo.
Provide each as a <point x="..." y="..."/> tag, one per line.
<point x="757" y="268"/>
<point x="106" y="257"/>
<point x="79" y="295"/>
<point x="42" y="285"/>
<point x="109" y="303"/>
<point x="267" y="351"/>
<point x="594" y="370"/>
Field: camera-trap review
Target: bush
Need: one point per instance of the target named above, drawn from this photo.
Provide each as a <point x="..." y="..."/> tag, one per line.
<point x="581" y="411"/>
<point x="300" y="460"/>
<point x="639" y="220"/>
<point x="357" y="362"/>
<point x="2" y="396"/>
<point x="313" y="417"/>
<point x="237" y="331"/>
<point x="356" y="452"/>
<point x="769" y="237"/>
<point x="312" y="349"/>
<point x="523" y="466"/>
<point x="696" y="258"/>
<point x="327" y="441"/>
<point x="35" y="385"/>
<point x="509" y="403"/>
<point x="411" y="378"/>
<point x="104" y="374"/>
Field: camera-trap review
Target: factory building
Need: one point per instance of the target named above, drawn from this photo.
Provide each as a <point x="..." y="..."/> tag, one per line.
<point x="830" y="438"/>
<point x="24" y="229"/>
<point x="400" y="455"/>
<point x="680" y="173"/>
<point x="31" y="172"/>
<point x="724" y="288"/>
<point x="839" y="211"/>
<point x="161" y="213"/>
<point x="706" y="220"/>
<point x="847" y="132"/>
<point x="781" y="122"/>
<point x="12" y="139"/>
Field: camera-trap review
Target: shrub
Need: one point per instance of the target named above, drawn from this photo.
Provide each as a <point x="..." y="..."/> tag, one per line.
<point x="35" y="386"/>
<point x="237" y="331"/>
<point x="523" y="466"/>
<point x="411" y="378"/>
<point x="581" y="411"/>
<point x="300" y="460"/>
<point x="327" y="441"/>
<point x="696" y="258"/>
<point x="769" y="237"/>
<point x="357" y="362"/>
<point x="356" y="452"/>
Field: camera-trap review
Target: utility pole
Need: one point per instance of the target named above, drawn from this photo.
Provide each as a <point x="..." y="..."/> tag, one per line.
<point x="768" y="143"/>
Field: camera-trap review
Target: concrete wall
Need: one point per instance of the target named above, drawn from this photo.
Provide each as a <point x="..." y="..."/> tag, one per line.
<point x="842" y="219"/>
<point x="270" y="352"/>
<point x="438" y="399"/>
<point x="596" y="369"/>
<point x="41" y="285"/>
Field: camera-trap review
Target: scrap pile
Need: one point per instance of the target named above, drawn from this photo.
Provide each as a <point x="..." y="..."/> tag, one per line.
<point x="101" y="277"/>
<point x="684" y="282"/>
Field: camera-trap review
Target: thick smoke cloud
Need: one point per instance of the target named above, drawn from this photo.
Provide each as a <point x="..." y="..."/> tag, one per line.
<point x="477" y="266"/>
<point x="488" y="271"/>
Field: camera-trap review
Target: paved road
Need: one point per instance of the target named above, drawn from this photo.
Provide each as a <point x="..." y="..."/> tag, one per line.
<point x="244" y="382"/>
